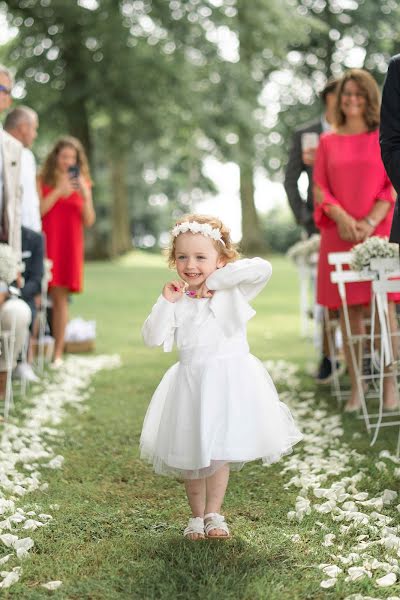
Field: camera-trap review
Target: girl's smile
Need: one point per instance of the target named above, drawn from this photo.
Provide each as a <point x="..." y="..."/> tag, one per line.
<point x="196" y="258"/>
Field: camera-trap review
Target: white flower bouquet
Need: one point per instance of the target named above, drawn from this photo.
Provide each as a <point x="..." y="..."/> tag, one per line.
<point x="373" y="247"/>
<point x="305" y="250"/>
<point x="8" y="266"/>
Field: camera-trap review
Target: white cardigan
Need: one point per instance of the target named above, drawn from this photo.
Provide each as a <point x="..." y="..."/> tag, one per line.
<point x="234" y="285"/>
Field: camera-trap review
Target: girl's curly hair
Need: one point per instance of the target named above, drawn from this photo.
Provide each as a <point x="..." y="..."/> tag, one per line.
<point x="229" y="251"/>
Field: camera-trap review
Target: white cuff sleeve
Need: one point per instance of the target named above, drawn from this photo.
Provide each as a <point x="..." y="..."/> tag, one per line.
<point x="250" y="275"/>
<point x="159" y="327"/>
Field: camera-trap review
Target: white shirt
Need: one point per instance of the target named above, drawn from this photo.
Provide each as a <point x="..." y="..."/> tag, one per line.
<point x="30" y="199"/>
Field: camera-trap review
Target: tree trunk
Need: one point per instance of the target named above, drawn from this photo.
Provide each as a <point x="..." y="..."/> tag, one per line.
<point x="252" y="239"/>
<point x="120" y="222"/>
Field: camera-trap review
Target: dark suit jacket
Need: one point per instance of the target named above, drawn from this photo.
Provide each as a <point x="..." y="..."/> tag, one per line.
<point x="32" y="257"/>
<point x="390" y="135"/>
<point x="303" y="211"/>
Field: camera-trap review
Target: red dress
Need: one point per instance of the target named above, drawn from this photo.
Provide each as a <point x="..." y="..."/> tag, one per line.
<point x="350" y="172"/>
<point x="63" y="227"/>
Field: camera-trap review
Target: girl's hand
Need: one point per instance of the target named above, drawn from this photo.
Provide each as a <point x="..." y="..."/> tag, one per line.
<point x="65" y="185"/>
<point x="173" y="290"/>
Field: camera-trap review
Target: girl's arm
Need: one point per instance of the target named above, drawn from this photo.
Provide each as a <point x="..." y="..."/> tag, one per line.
<point x="160" y="324"/>
<point x="250" y="275"/>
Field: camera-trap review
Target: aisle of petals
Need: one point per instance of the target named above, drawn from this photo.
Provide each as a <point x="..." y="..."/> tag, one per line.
<point x="333" y="480"/>
<point x="26" y="455"/>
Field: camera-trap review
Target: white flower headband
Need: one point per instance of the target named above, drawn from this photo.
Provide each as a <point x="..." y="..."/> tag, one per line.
<point x="195" y="227"/>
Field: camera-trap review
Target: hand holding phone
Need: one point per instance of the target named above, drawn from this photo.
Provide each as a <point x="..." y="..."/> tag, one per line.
<point x="73" y="174"/>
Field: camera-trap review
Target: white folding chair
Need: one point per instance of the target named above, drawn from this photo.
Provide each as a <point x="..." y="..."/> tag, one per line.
<point x="42" y="314"/>
<point x="7" y="346"/>
<point x="388" y="281"/>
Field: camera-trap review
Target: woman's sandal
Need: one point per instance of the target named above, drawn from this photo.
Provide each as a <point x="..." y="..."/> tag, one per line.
<point x="195" y="526"/>
<point x="215" y="521"/>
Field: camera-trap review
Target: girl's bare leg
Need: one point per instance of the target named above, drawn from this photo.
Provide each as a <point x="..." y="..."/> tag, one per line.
<point x="357" y="328"/>
<point x="215" y="492"/>
<point x="196" y="495"/>
<point x="59" y="296"/>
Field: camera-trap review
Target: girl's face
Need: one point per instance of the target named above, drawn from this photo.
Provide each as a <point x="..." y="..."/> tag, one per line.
<point x="352" y="100"/>
<point x="196" y="258"/>
<point x="67" y="157"/>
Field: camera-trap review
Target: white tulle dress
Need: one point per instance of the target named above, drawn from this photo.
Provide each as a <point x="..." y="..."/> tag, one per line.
<point x="218" y="404"/>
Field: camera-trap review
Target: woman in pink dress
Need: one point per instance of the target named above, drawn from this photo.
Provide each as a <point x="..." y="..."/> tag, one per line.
<point x="66" y="207"/>
<point x="353" y="200"/>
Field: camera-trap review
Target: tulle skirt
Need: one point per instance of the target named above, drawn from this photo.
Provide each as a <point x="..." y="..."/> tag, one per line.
<point x="222" y="410"/>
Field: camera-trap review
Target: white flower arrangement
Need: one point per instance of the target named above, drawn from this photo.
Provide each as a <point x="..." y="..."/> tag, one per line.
<point x="305" y="250"/>
<point x="195" y="227"/>
<point x="9" y="266"/>
<point x="373" y="247"/>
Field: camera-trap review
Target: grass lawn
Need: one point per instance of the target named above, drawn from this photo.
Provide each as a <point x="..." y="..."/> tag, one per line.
<point x="118" y="533"/>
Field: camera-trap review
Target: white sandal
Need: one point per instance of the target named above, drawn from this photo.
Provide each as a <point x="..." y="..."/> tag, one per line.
<point x="195" y="525"/>
<point x="216" y="521"/>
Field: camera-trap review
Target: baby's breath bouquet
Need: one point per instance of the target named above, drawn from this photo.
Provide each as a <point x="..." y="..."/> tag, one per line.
<point x="305" y="250"/>
<point x="373" y="247"/>
<point x="8" y="266"/>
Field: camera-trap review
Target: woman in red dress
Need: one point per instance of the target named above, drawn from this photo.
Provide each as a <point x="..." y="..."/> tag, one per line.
<point x="353" y="200"/>
<point x="66" y="207"/>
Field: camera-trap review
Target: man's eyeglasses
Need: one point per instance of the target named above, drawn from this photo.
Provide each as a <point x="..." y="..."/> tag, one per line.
<point x="5" y="89"/>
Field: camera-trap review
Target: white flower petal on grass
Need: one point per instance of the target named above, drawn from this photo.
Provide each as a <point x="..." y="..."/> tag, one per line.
<point x="328" y="583"/>
<point x="357" y="573"/>
<point x="56" y="462"/>
<point x="296" y="538"/>
<point x="332" y="570"/>
<point x="5" y="559"/>
<point x="381" y="466"/>
<point x="326" y="507"/>
<point x="8" y="539"/>
<point x="52" y="585"/>
<point x="387" y="580"/>
<point x="23" y="546"/>
<point x="373" y="503"/>
<point x="361" y="496"/>
<point x="389" y="496"/>
<point x="328" y="539"/>
<point x="32" y="524"/>
<point x="10" y="577"/>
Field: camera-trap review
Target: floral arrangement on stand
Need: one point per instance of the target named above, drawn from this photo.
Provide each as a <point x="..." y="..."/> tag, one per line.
<point x="373" y="247"/>
<point x="306" y="250"/>
<point x="9" y="267"/>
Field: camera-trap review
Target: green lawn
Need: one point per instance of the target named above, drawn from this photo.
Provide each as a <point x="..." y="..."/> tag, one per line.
<point x="118" y="533"/>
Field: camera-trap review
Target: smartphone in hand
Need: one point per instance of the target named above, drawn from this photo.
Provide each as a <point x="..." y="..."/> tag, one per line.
<point x="73" y="172"/>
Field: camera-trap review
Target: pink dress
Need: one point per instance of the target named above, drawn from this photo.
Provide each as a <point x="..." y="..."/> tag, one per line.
<point x="350" y="172"/>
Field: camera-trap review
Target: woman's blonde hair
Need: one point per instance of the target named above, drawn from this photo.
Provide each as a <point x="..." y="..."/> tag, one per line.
<point x="229" y="251"/>
<point x="369" y="88"/>
<point x="48" y="171"/>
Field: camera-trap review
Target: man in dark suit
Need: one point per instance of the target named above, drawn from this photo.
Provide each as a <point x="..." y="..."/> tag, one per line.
<point x="390" y="136"/>
<point x="301" y="160"/>
<point x="32" y="257"/>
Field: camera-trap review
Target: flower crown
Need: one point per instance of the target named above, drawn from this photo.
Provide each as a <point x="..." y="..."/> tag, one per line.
<point x="195" y="227"/>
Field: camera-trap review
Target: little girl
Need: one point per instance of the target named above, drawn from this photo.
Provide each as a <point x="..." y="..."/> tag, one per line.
<point x="217" y="408"/>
